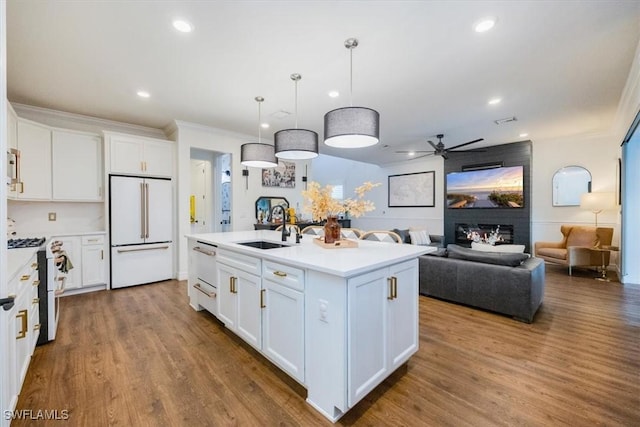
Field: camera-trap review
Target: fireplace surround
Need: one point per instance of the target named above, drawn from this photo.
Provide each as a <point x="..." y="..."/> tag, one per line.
<point x="465" y="233"/>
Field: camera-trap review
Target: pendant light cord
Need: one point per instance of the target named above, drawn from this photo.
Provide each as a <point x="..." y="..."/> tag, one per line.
<point x="351" y="76"/>
<point x="296" y="103"/>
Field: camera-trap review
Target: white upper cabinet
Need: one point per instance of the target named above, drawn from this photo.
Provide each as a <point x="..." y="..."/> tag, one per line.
<point x="34" y="143"/>
<point x="140" y="155"/>
<point x="77" y="166"/>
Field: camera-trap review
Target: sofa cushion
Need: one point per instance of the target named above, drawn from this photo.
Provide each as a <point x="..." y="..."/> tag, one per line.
<point x="497" y="258"/>
<point x="404" y="234"/>
<point x="557" y="253"/>
<point x="419" y="237"/>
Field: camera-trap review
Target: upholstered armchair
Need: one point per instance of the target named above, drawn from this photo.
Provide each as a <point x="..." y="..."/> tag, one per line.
<point x="575" y="247"/>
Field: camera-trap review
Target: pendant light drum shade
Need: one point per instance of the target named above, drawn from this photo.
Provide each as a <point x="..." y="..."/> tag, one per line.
<point x="296" y="144"/>
<point x="258" y="155"/>
<point x="351" y="127"/>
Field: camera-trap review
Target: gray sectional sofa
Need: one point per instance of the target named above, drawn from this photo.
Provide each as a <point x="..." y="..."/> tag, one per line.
<point x="507" y="283"/>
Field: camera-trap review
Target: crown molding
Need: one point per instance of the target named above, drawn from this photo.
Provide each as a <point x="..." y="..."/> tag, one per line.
<point x="94" y="123"/>
<point x="178" y="124"/>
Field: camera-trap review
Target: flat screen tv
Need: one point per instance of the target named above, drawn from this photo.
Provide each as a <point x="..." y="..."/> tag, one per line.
<point x="486" y="188"/>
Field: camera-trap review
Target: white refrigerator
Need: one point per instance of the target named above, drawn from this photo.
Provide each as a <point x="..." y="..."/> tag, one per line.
<point x="141" y="230"/>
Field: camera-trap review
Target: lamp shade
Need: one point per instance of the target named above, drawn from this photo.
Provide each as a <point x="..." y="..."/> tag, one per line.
<point x="598" y="202"/>
<point x="258" y="155"/>
<point x="296" y="144"/>
<point x="351" y="127"/>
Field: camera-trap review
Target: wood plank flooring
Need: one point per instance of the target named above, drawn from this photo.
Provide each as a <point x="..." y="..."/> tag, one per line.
<point x="142" y="357"/>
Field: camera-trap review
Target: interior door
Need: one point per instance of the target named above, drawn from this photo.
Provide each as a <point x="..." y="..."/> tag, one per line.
<point x="159" y="214"/>
<point x="126" y="210"/>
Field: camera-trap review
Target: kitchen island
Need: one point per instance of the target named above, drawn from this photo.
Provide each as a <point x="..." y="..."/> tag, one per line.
<point x="338" y="321"/>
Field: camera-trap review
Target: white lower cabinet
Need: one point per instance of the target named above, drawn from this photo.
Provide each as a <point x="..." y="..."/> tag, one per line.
<point x="203" y="283"/>
<point x="383" y="331"/>
<point x="25" y="318"/>
<point x="283" y="317"/>
<point x="260" y="301"/>
<point x="240" y="303"/>
<point x="87" y="255"/>
<point x="93" y="264"/>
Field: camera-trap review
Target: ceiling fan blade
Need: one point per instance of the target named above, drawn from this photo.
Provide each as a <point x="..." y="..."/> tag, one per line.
<point x="444" y="156"/>
<point x="473" y="150"/>
<point x="435" y="147"/>
<point x="424" y="155"/>
<point x="465" y="144"/>
<point x="413" y="151"/>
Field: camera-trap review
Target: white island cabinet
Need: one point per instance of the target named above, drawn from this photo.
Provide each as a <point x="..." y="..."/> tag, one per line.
<point x="339" y="321"/>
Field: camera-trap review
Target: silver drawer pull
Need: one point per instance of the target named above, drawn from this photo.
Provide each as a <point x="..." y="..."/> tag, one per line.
<point x="142" y="249"/>
<point x="209" y="294"/>
<point x="204" y="251"/>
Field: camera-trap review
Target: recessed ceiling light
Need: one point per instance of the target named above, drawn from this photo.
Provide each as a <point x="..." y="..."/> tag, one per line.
<point x="264" y="125"/>
<point x="485" y="24"/>
<point x="524" y="135"/>
<point x="411" y="153"/>
<point x="143" y="94"/>
<point x="494" y="101"/>
<point x="182" y="26"/>
<point x="334" y="94"/>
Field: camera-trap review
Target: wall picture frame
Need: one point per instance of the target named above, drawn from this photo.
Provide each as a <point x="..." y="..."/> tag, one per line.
<point x="412" y="190"/>
<point x="282" y="176"/>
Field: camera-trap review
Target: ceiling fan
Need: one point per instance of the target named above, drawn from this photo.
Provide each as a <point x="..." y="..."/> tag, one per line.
<point x="440" y="150"/>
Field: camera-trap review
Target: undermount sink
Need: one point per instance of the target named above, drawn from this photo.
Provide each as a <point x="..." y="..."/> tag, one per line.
<point x="263" y="244"/>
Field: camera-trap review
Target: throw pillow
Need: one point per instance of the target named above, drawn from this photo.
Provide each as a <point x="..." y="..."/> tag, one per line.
<point x="419" y="237"/>
<point x="404" y="234"/>
<point x="514" y="249"/>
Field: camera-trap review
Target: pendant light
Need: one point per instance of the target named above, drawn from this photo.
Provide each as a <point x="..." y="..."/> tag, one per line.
<point x="258" y="155"/>
<point x="296" y="144"/>
<point x="351" y="127"/>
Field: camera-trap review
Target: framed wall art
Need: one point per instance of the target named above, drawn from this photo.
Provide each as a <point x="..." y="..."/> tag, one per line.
<point x="412" y="190"/>
<point x="283" y="175"/>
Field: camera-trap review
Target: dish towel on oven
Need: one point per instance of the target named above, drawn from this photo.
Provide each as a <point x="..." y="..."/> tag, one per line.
<point x="63" y="262"/>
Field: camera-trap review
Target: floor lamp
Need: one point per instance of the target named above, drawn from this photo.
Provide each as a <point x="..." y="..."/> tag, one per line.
<point x="598" y="202"/>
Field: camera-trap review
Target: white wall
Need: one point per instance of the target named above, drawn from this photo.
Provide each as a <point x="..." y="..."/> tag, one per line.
<point x="328" y="170"/>
<point x="597" y="153"/>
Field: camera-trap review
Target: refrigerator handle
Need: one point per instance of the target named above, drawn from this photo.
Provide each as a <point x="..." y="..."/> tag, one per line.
<point x="142" y="210"/>
<point x="146" y="210"/>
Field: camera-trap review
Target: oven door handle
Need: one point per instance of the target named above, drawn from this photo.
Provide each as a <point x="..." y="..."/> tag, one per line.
<point x="7" y="303"/>
<point x="63" y="280"/>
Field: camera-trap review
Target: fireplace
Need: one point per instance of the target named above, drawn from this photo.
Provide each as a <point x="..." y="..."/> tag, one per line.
<point x="467" y="233"/>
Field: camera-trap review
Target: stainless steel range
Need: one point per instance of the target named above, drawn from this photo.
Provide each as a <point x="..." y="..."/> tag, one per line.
<point x="31" y="242"/>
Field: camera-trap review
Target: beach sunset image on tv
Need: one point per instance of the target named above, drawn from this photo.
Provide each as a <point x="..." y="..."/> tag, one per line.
<point x="487" y="188"/>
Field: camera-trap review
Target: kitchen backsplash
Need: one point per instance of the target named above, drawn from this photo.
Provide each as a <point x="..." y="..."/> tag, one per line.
<point x="33" y="217"/>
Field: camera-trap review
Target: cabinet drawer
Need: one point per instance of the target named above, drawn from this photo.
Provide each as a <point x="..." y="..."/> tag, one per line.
<point x="207" y="296"/>
<point x="93" y="240"/>
<point x="284" y="274"/>
<point x="243" y="262"/>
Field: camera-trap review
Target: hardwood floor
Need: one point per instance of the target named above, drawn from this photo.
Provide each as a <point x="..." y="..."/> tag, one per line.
<point x="142" y="357"/>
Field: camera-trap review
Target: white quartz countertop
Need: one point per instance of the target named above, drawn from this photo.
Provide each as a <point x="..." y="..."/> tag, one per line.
<point x="345" y="262"/>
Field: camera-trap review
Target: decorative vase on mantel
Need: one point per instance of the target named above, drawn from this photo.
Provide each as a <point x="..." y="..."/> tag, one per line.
<point x="331" y="230"/>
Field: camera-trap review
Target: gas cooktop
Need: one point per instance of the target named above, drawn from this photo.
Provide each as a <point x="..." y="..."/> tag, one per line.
<point x="32" y="242"/>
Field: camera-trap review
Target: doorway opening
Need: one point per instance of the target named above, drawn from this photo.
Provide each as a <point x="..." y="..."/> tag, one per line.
<point x="210" y="192"/>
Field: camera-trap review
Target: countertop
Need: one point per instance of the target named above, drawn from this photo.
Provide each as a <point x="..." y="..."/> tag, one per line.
<point x="345" y="262"/>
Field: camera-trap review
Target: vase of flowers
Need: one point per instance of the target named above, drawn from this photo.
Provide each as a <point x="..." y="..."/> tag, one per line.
<point x="318" y="201"/>
<point x="332" y="230"/>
